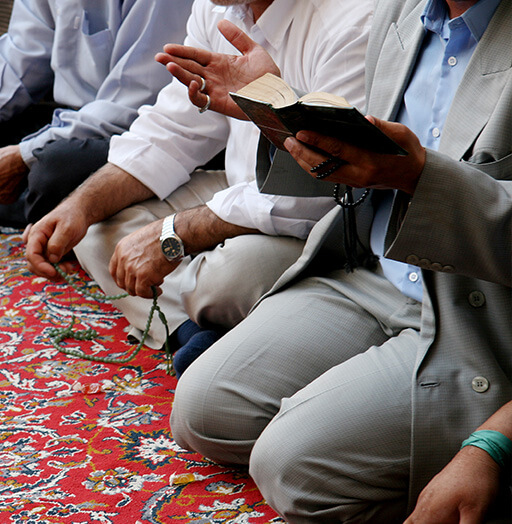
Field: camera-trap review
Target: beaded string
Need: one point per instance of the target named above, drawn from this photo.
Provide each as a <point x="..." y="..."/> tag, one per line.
<point x="346" y="200"/>
<point x="57" y="335"/>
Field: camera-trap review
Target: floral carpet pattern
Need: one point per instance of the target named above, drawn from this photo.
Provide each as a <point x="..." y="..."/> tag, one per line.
<point x="88" y="442"/>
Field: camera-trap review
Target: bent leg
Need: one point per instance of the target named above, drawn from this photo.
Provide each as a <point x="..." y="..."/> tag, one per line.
<point x="339" y="449"/>
<point x="96" y="249"/>
<point x="60" y="167"/>
<point x="223" y="284"/>
<point x="94" y="253"/>
<point x="229" y="394"/>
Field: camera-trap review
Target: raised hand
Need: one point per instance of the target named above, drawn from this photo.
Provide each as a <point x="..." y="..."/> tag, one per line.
<point x="222" y="73"/>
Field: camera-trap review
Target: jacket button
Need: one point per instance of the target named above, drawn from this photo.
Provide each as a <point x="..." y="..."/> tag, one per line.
<point x="480" y="384"/>
<point x="436" y="266"/>
<point x="412" y="259"/>
<point x="476" y="298"/>
<point x="448" y="269"/>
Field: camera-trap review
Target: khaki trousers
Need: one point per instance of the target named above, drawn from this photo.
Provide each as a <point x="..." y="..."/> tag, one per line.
<point x="215" y="288"/>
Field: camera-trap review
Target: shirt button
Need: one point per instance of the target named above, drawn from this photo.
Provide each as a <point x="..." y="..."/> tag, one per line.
<point x="480" y="384"/>
<point x="452" y="61"/>
<point x="476" y="298"/>
<point x="413" y="277"/>
<point x="435" y="132"/>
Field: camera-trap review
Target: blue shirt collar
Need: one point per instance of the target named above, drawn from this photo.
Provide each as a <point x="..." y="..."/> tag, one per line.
<point x="476" y="18"/>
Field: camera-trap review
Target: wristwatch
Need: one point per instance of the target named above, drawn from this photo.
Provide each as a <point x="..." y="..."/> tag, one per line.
<point x="172" y="245"/>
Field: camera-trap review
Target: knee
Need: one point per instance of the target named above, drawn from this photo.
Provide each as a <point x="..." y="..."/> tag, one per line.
<point x="186" y="415"/>
<point x="276" y="465"/>
<point x="230" y="279"/>
<point x="59" y="167"/>
<point x="213" y="301"/>
<point x="306" y="481"/>
<point x="201" y="419"/>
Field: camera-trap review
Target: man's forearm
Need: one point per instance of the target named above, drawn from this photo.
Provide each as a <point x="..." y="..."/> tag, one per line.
<point x="201" y="229"/>
<point x="501" y="421"/>
<point x="107" y="191"/>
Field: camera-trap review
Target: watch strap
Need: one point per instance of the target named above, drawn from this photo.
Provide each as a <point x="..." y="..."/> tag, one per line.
<point x="168" y="227"/>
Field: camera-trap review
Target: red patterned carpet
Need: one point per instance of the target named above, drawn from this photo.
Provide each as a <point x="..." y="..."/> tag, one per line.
<point x="74" y="457"/>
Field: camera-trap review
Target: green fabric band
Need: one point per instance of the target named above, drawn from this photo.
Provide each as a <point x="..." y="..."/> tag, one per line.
<point x="495" y="443"/>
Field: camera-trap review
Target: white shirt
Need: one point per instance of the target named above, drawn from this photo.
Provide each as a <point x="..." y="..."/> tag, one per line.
<point x="98" y="57"/>
<point x="318" y="45"/>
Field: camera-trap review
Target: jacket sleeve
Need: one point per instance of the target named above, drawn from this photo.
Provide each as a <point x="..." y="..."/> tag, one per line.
<point x="458" y="221"/>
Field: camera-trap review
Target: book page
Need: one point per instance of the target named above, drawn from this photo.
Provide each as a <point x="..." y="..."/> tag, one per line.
<point x="324" y="99"/>
<point x="270" y="89"/>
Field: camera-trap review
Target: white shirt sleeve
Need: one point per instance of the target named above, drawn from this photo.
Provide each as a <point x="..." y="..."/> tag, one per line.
<point x="270" y="214"/>
<point x="171" y="138"/>
<point x="168" y="141"/>
<point x="25" y="70"/>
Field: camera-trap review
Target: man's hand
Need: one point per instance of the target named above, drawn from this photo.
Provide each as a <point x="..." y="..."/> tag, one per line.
<point x="52" y="237"/>
<point x="461" y="493"/>
<point x="364" y="168"/>
<point x="222" y="73"/>
<point x="138" y="262"/>
<point x="104" y="193"/>
<point x="13" y="172"/>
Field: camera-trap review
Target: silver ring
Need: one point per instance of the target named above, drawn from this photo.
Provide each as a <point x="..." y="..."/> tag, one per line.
<point x="206" y="106"/>
<point x="203" y="85"/>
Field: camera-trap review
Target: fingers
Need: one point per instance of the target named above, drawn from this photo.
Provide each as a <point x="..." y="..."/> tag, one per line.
<point x="306" y="157"/>
<point x="134" y="279"/>
<point x="184" y="70"/>
<point x="196" y="96"/>
<point x="185" y="63"/>
<point x="330" y="145"/>
<point x="180" y="65"/>
<point x="59" y="243"/>
<point x="195" y="55"/>
<point x="36" y="256"/>
<point x="236" y="36"/>
<point x="193" y="80"/>
<point x="48" y="240"/>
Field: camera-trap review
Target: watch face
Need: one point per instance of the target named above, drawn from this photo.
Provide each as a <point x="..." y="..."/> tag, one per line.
<point x="172" y="247"/>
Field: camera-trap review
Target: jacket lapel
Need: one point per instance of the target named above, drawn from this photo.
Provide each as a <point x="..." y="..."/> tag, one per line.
<point x="395" y="64"/>
<point x="481" y="86"/>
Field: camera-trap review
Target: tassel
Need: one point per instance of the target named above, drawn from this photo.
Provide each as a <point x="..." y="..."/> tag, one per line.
<point x="351" y="241"/>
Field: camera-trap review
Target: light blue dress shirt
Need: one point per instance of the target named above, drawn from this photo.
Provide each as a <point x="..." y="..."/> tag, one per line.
<point x="446" y="52"/>
<point x="96" y="57"/>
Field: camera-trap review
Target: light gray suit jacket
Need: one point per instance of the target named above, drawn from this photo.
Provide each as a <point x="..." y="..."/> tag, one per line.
<point x="457" y="228"/>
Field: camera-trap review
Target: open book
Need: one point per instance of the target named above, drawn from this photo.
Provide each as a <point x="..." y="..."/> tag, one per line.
<point x="279" y="113"/>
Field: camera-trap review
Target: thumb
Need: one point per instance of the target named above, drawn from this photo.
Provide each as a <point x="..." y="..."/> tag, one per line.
<point x="26" y="233"/>
<point x="381" y="124"/>
<point x="388" y="128"/>
<point x="396" y="131"/>
<point x="59" y="245"/>
<point x="236" y="36"/>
